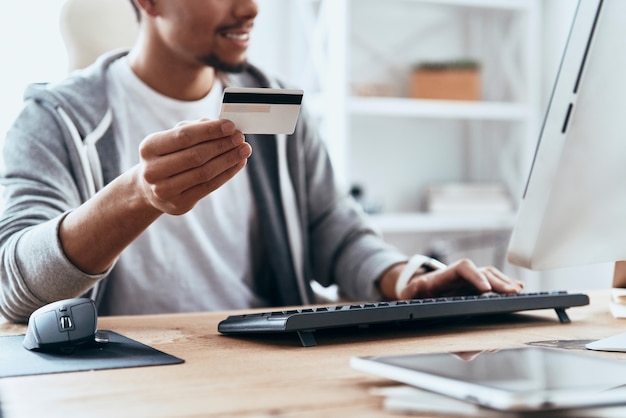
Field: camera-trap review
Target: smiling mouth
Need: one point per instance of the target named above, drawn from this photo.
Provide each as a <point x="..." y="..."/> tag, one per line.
<point x="237" y="36"/>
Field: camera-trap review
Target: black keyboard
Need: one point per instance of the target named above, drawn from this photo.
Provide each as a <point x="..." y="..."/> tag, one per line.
<point x="307" y="320"/>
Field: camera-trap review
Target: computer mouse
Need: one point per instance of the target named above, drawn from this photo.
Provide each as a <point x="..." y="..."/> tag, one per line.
<point x="62" y="326"/>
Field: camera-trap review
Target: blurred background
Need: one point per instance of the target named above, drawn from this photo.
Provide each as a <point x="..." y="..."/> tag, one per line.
<point x="431" y="109"/>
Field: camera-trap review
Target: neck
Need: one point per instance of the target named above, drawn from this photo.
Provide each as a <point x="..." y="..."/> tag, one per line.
<point x="172" y="78"/>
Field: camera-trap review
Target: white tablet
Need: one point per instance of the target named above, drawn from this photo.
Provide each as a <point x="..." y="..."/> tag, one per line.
<point x="520" y="379"/>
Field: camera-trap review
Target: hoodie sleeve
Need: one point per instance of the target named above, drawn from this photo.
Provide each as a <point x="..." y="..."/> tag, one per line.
<point x="39" y="181"/>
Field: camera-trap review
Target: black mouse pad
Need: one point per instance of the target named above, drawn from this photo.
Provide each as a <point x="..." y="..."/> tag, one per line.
<point x="119" y="352"/>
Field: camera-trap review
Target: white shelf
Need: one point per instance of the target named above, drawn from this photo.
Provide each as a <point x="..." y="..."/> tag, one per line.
<point x="421" y="108"/>
<point x="487" y="4"/>
<point x="402" y="107"/>
<point x="342" y="53"/>
<point x="401" y="223"/>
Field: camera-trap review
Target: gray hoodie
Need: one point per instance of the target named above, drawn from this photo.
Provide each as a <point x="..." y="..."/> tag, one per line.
<point x="62" y="149"/>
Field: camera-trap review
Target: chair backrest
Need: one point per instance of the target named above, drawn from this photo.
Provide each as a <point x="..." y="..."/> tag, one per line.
<point x="91" y="27"/>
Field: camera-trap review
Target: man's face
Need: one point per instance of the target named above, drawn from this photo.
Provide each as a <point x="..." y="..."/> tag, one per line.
<point x="209" y="32"/>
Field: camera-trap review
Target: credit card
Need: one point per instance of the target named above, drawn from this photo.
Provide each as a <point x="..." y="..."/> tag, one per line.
<point x="262" y="110"/>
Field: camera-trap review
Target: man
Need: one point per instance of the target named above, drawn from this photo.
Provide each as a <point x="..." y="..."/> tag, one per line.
<point x="120" y="181"/>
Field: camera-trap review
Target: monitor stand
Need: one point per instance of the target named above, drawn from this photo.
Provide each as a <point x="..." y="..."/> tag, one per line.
<point x="618" y="310"/>
<point x="614" y="343"/>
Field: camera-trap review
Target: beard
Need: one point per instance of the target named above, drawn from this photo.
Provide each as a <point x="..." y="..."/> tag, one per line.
<point x="221" y="66"/>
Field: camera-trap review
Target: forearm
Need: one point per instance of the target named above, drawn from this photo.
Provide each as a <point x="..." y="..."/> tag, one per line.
<point x="94" y="234"/>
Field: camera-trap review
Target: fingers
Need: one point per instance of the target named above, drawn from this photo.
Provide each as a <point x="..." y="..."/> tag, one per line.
<point x="465" y="269"/>
<point x="501" y="283"/>
<point x="185" y="135"/>
<point x="196" y="193"/>
<point x="180" y="166"/>
<point x="418" y="287"/>
<point x="183" y="190"/>
<point x="460" y="278"/>
<point x="486" y="279"/>
<point x="188" y="159"/>
<point x="211" y="169"/>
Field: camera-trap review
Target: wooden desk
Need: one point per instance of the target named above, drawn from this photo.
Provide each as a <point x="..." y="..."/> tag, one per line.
<point x="226" y="376"/>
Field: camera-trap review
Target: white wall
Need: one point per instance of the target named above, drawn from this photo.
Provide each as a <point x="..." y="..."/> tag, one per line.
<point x="270" y="40"/>
<point x="31" y="51"/>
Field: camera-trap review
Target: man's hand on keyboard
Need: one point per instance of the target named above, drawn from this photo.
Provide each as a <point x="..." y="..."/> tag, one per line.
<point x="460" y="278"/>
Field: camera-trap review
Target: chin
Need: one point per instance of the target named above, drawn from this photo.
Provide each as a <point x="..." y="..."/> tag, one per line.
<point x="234" y="68"/>
<point x="224" y="66"/>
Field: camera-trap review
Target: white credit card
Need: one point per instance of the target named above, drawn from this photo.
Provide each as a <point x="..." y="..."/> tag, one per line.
<point x="262" y="110"/>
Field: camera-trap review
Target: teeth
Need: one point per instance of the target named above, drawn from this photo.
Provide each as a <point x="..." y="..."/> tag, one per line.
<point x="237" y="36"/>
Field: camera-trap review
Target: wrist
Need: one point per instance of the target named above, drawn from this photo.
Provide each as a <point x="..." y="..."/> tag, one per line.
<point x="417" y="265"/>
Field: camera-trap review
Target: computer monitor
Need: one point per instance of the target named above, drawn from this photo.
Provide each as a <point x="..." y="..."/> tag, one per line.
<point x="573" y="210"/>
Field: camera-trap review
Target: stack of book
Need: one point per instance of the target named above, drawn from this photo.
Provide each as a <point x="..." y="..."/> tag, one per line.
<point x="409" y="399"/>
<point x="468" y="198"/>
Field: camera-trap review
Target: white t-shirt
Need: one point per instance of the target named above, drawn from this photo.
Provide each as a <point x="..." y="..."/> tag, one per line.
<point x="202" y="260"/>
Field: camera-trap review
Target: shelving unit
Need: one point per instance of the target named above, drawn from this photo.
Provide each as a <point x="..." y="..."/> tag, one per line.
<point x="380" y="141"/>
<point x="403" y="223"/>
<point x="419" y="108"/>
